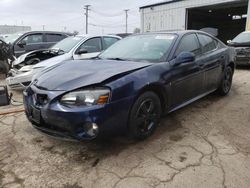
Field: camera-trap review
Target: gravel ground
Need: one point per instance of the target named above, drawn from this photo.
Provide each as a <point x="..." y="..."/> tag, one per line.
<point x="206" y="144"/>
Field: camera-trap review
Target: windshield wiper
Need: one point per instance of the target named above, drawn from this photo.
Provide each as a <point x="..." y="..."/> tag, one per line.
<point x="97" y="57"/>
<point x="117" y="59"/>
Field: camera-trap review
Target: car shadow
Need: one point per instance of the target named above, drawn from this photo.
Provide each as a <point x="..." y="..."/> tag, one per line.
<point x="169" y="131"/>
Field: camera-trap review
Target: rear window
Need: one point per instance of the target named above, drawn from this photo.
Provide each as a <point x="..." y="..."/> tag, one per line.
<point x="189" y="43"/>
<point x="108" y="41"/>
<point x="54" y="37"/>
<point x="208" y="43"/>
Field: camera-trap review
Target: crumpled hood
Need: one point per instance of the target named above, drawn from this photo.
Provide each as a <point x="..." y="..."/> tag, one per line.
<point x="71" y="75"/>
<point x="21" y="58"/>
<point x="53" y="61"/>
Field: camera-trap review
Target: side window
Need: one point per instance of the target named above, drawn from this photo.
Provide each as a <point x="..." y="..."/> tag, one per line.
<point x="92" y="45"/>
<point x="189" y="43"/>
<point x="54" y="37"/>
<point x="108" y="41"/>
<point x="208" y="44"/>
<point x="33" y="38"/>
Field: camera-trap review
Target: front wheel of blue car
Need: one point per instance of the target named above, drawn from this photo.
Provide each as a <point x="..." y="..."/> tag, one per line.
<point x="144" y="116"/>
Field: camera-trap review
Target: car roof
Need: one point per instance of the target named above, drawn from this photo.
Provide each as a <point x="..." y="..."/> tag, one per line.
<point x="91" y="36"/>
<point x="178" y="32"/>
<point x="33" y="32"/>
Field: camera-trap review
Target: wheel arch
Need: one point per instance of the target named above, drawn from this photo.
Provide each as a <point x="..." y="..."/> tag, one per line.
<point x="159" y="90"/>
<point x="232" y="65"/>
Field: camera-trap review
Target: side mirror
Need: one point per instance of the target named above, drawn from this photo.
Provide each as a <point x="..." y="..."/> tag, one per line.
<point x="229" y="41"/>
<point x="184" y="57"/>
<point x="81" y="51"/>
<point x="22" y="43"/>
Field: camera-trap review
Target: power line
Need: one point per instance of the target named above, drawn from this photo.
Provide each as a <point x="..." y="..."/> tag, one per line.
<point x="107" y="15"/>
<point x="108" y="23"/>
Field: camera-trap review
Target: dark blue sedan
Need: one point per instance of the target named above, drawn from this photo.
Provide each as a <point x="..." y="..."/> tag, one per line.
<point x="129" y="86"/>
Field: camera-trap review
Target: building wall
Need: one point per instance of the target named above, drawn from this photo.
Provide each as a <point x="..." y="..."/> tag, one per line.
<point x="9" y="29"/>
<point x="171" y="16"/>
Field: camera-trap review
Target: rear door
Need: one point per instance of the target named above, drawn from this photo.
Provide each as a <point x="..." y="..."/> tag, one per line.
<point x="93" y="46"/>
<point x="213" y="59"/>
<point x="187" y="78"/>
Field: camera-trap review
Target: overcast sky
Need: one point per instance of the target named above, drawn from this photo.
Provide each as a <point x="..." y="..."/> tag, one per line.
<point x="106" y="16"/>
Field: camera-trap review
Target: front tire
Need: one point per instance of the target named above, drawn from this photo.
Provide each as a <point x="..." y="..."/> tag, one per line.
<point x="144" y="116"/>
<point x="226" y="82"/>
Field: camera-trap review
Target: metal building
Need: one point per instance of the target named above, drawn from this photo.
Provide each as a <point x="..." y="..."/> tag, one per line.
<point x="10" y="29"/>
<point x="227" y="17"/>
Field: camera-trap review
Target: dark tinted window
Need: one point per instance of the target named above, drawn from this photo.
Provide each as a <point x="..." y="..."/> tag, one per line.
<point x="92" y="45"/>
<point x="108" y="41"/>
<point x="33" y="38"/>
<point x="54" y="37"/>
<point x="208" y="44"/>
<point x="189" y="43"/>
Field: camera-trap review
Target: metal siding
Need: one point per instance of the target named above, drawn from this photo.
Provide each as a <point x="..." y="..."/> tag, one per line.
<point x="171" y="16"/>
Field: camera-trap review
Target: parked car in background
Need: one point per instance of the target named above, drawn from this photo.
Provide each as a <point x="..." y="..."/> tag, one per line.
<point x="22" y="43"/>
<point x="242" y="47"/>
<point x="3" y="36"/>
<point x="75" y="47"/>
<point x="129" y="86"/>
<point x="5" y="57"/>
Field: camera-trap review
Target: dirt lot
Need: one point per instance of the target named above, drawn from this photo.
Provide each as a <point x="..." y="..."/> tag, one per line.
<point x="206" y="144"/>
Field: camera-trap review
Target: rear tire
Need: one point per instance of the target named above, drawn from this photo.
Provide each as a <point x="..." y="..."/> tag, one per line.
<point x="226" y="82"/>
<point x="144" y="116"/>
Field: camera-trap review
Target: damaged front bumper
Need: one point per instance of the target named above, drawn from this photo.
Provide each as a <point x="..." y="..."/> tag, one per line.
<point x="18" y="80"/>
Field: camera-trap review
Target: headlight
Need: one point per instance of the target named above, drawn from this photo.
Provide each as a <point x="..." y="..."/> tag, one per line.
<point x="26" y="68"/>
<point x="89" y="97"/>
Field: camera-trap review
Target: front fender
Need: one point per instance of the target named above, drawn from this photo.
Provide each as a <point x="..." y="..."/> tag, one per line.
<point x="134" y="83"/>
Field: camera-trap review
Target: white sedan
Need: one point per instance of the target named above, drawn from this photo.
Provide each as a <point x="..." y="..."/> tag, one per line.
<point x="75" y="48"/>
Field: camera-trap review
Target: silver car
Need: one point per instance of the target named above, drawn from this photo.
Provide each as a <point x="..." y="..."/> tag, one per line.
<point x="71" y="48"/>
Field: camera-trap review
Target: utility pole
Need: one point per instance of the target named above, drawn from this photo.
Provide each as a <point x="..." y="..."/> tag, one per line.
<point x="86" y="7"/>
<point x="126" y="12"/>
<point x="248" y="18"/>
<point x="43" y="27"/>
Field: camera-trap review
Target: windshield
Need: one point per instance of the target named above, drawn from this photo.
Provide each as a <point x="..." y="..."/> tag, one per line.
<point x="67" y="44"/>
<point x="242" y="38"/>
<point x="149" y="47"/>
<point x="12" y="38"/>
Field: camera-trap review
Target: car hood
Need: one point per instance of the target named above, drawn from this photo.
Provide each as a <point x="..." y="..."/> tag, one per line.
<point x="71" y="75"/>
<point x="21" y="58"/>
<point x="53" y="61"/>
<point x="235" y="44"/>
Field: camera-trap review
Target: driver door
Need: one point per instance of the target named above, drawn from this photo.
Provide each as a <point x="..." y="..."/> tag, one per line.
<point x="92" y="46"/>
<point x="187" y="78"/>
